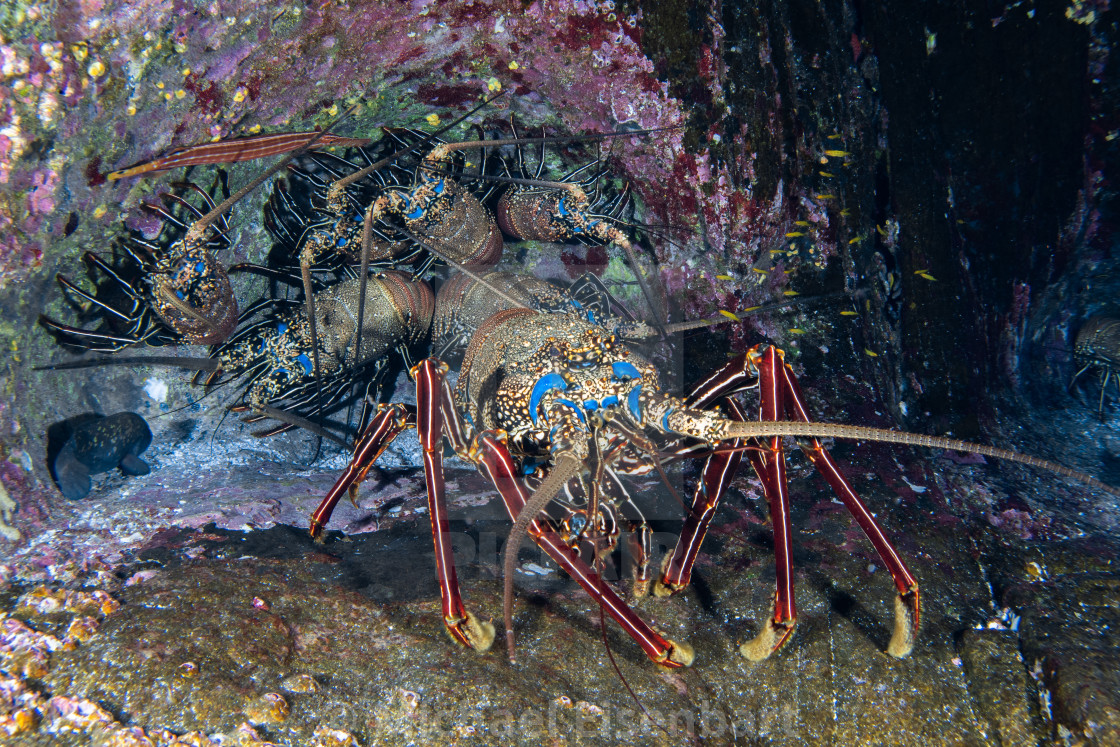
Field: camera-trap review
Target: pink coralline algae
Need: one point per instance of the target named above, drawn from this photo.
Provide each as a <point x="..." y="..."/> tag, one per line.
<point x="40" y="200"/>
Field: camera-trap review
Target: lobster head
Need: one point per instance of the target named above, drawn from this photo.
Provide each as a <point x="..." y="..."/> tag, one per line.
<point x="190" y="292"/>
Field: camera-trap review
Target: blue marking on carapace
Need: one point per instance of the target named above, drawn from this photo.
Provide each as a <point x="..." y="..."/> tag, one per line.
<point x="544" y="385"/>
<point x="665" y="419"/>
<point x="624" y="371"/>
<point x="304" y="361"/>
<point x="439" y="187"/>
<point x="590" y="405"/>
<point x="610" y="401"/>
<point x="281" y="328"/>
<point x="341" y="242"/>
<point x="200" y="268"/>
<point x="633" y="402"/>
<point x="415" y="214"/>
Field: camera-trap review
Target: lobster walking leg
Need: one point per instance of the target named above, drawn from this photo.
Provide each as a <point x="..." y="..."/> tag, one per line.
<point x="461" y="624"/>
<point x="771" y="468"/>
<point x="489" y="450"/>
<point x="769" y="464"/>
<point x="385" y="426"/>
<point x="718" y="471"/>
<point x="781" y="399"/>
<point x="907" y="605"/>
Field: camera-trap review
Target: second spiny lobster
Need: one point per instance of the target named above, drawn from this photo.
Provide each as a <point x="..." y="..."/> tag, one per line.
<point x="275" y="360"/>
<point x="167" y="291"/>
<point x="279" y="358"/>
<point x="1098" y="347"/>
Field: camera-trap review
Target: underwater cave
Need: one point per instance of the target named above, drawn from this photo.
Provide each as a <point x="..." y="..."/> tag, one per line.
<point x="912" y="200"/>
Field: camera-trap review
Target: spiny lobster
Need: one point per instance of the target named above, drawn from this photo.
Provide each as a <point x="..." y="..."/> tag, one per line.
<point x="433" y="210"/>
<point x="1098" y="347"/>
<point x="436" y="212"/>
<point x="275" y="359"/>
<point x="167" y="291"/>
<point x="280" y="358"/>
<point x="547" y="397"/>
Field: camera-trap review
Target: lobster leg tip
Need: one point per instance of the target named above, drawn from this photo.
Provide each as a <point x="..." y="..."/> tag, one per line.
<point x="771" y="638"/>
<point x="906" y="621"/>
<point x="471" y="632"/>
<point x="669" y="582"/>
<point x="662" y="589"/>
<point x="680" y="655"/>
<point x="639" y="589"/>
<point x="481" y="634"/>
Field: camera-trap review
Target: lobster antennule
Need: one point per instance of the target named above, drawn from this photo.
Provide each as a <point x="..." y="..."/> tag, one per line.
<point x="737" y="429"/>
<point x="566" y="468"/>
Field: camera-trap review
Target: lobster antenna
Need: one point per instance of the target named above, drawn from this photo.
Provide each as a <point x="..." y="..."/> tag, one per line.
<point x="312" y="323"/>
<point x="225" y="415"/>
<point x="766" y="429"/>
<point x="292" y="419"/>
<point x="196" y="229"/>
<point x="543" y="183"/>
<point x="641" y="330"/>
<point x="597" y="561"/>
<point x="367" y="244"/>
<point x="566" y="468"/>
<point x="554" y="139"/>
